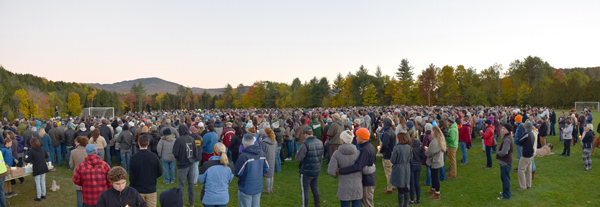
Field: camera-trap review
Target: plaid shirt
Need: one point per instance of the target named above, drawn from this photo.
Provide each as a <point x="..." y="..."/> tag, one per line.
<point x="92" y="176"/>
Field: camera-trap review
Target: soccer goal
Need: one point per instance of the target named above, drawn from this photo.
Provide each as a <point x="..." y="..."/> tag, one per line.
<point x="98" y="112"/>
<point x="592" y="106"/>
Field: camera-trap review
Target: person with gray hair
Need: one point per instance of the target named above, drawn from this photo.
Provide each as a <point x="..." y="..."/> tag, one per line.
<point x="250" y="168"/>
<point x="586" y="143"/>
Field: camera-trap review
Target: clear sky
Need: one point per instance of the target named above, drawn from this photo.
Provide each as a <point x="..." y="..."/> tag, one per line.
<point x="210" y="43"/>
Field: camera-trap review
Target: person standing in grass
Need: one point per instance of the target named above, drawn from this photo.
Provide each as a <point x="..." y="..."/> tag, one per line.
<point x="464" y="137"/>
<point x="8" y="160"/>
<point x="388" y="140"/>
<point x="216" y="174"/>
<point x="488" y="136"/>
<point x="505" y="159"/>
<point x="435" y="159"/>
<point x="78" y="156"/>
<point x="37" y="156"/>
<point x="401" y="158"/>
<point x="120" y="194"/>
<point x="525" y="166"/>
<point x="184" y="151"/>
<point x="567" y="135"/>
<point x="586" y="142"/>
<point x="452" y="141"/>
<point x="349" y="189"/>
<point x="366" y="158"/>
<point x="427" y="137"/>
<point x="144" y="170"/>
<point x="418" y="151"/>
<point x="92" y="176"/>
<point x="269" y="145"/>
<point x="310" y="156"/>
<point x="250" y="167"/>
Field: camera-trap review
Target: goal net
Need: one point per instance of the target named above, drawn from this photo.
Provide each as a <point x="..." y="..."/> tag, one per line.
<point x="98" y="112"/>
<point x="592" y="106"/>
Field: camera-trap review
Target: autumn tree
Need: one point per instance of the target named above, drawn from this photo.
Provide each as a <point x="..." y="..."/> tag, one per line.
<point x="370" y="96"/>
<point x="22" y="102"/>
<point x="427" y="82"/>
<point x="74" y="104"/>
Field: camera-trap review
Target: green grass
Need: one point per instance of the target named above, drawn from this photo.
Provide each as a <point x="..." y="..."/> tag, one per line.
<point x="559" y="181"/>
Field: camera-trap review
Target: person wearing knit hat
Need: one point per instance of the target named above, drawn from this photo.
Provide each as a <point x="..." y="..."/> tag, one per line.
<point x="362" y="133"/>
<point x="349" y="188"/>
<point x="504" y="158"/>
<point x="488" y="137"/>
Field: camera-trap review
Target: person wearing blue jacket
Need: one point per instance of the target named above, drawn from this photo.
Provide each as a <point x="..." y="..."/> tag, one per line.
<point x="250" y="168"/>
<point x="216" y="174"/>
<point x="8" y="160"/>
<point x="208" y="142"/>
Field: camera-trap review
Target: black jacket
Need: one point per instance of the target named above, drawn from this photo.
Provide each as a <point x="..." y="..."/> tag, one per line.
<point x="527" y="142"/>
<point x="198" y="142"/>
<point x="418" y="151"/>
<point x="70" y="136"/>
<point x="37" y="156"/>
<point x="366" y="157"/>
<point x="129" y="196"/>
<point x="388" y="139"/>
<point x="553" y="117"/>
<point x="544" y="129"/>
<point x="154" y="143"/>
<point x="86" y="133"/>
<point x="278" y="136"/>
<point x="105" y="132"/>
<point x="236" y="141"/>
<point x="588" y="139"/>
<point x="310" y="156"/>
<point x="144" y="169"/>
<point x="184" y="148"/>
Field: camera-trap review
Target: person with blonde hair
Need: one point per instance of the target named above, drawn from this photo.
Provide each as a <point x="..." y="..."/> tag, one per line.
<point x="216" y="174"/>
<point x="435" y="159"/>
<point x="269" y="145"/>
<point x="586" y="142"/>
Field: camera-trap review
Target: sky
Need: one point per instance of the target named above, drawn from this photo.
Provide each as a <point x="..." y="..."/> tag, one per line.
<point x="208" y="44"/>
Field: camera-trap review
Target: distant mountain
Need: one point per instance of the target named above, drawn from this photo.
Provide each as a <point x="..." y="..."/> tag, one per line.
<point x="153" y="85"/>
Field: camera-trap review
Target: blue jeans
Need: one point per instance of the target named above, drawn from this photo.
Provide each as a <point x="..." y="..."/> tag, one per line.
<point x="533" y="164"/>
<point x="101" y="154"/>
<point x="488" y="155"/>
<point x="248" y="200"/>
<point x="290" y="148"/>
<point x="40" y="185"/>
<point x="552" y="129"/>
<point x="428" y="173"/>
<point x="355" y="203"/>
<point x="69" y="156"/>
<point x="63" y="151"/>
<point x="463" y="149"/>
<point x="125" y="156"/>
<point x="107" y="151"/>
<point x="79" y="198"/>
<point x="443" y="173"/>
<point x="519" y="152"/>
<point x="505" y="176"/>
<point x="117" y="153"/>
<point x="278" y="160"/>
<point x="196" y="171"/>
<point x="55" y="151"/>
<point x="168" y="167"/>
<point x="2" y="196"/>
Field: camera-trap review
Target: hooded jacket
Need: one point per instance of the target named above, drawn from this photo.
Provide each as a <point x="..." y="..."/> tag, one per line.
<point x="334" y="132"/>
<point x="184" y="149"/>
<point x="278" y="136"/>
<point x="464" y="133"/>
<point x="388" y="139"/>
<point x="350" y="185"/>
<point x="418" y="151"/>
<point x="198" y="142"/>
<point x="218" y="127"/>
<point x="92" y="176"/>
<point x="452" y="138"/>
<point x="568" y="132"/>
<point x="488" y="136"/>
<point x="84" y="133"/>
<point x="435" y="156"/>
<point x="208" y="142"/>
<point x="250" y="168"/>
<point x="366" y="158"/>
<point x="587" y="140"/>
<point x="165" y="147"/>
<point x="527" y="141"/>
<point x="127" y="197"/>
<point x="106" y="132"/>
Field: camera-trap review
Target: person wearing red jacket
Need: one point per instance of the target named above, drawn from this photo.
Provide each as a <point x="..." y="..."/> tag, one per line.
<point x="488" y="138"/>
<point x="92" y="176"/>
<point x="464" y="137"/>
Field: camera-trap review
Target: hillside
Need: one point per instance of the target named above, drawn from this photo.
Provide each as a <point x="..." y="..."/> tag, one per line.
<point x="591" y="72"/>
<point x="153" y="85"/>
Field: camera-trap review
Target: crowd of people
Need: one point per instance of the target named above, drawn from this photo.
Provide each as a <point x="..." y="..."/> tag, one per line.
<point x="211" y="147"/>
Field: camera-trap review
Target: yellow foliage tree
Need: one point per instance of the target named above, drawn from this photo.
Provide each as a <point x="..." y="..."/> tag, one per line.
<point x="159" y="99"/>
<point x="74" y="104"/>
<point x="22" y="102"/>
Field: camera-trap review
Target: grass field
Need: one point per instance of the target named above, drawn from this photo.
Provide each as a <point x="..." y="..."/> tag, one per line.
<point x="559" y="181"/>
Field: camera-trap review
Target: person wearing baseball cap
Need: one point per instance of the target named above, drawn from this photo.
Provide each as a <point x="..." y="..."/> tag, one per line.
<point x="310" y="156"/>
<point x="366" y="158"/>
<point x="504" y="158"/>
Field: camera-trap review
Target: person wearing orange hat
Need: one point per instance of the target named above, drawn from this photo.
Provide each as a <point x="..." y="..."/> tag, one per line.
<point x="366" y="158"/>
<point x="518" y="133"/>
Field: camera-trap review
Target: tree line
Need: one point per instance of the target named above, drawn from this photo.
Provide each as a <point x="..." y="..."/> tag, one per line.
<point x="530" y="81"/>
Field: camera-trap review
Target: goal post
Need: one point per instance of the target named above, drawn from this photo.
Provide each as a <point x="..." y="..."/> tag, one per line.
<point x="98" y="111"/>
<point x="592" y="106"/>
